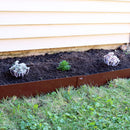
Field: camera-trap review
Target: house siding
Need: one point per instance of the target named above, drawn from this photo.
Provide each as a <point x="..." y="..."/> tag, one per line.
<point x="43" y="24"/>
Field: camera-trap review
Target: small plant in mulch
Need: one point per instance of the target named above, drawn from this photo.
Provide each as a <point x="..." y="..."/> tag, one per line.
<point x="64" y="66"/>
<point x="19" y="69"/>
<point x="125" y="48"/>
<point x="111" y="59"/>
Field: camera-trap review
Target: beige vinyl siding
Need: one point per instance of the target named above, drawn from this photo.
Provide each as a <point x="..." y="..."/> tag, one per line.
<point x="65" y="6"/>
<point x="42" y="24"/>
<point x="59" y="42"/>
<point x="61" y="30"/>
<point x="29" y="18"/>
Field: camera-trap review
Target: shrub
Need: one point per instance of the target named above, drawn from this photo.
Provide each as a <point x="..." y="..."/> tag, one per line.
<point x="19" y="70"/>
<point x="64" y="65"/>
<point x="111" y="60"/>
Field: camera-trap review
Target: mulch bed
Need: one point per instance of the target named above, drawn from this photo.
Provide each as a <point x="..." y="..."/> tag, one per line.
<point x="45" y="67"/>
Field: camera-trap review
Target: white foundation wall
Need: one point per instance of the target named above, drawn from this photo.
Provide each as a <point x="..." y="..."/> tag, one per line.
<point x="43" y="24"/>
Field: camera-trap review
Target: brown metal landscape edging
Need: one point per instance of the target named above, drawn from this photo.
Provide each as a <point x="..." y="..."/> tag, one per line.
<point x="102" y="78"/>
<point x="45" y="86"/>
<point x="34" y="88"/>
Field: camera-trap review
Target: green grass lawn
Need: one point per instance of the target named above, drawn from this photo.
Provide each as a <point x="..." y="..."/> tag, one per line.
<point x="85" y="108"/>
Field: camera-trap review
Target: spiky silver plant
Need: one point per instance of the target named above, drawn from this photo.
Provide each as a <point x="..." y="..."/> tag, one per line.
<point x="19" y="70"/>
<point x="111" y="60"/>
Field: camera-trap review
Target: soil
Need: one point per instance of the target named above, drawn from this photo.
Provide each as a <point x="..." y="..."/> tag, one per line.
<point x="43" y="67"/>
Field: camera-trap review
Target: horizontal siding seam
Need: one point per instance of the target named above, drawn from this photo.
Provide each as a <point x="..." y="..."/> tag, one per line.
<point x="64" y="36"/>
<point x="59" y="24"/>
<point x="10" y="11"/>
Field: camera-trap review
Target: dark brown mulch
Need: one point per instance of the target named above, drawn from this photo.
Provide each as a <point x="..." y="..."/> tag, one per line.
<point x="44" y="67"/>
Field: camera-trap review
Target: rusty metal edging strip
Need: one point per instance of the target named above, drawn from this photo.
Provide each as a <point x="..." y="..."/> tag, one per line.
<point x="102" y="78"/>
<point x="38" y="87"/>
<point x="34" y="88"/>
